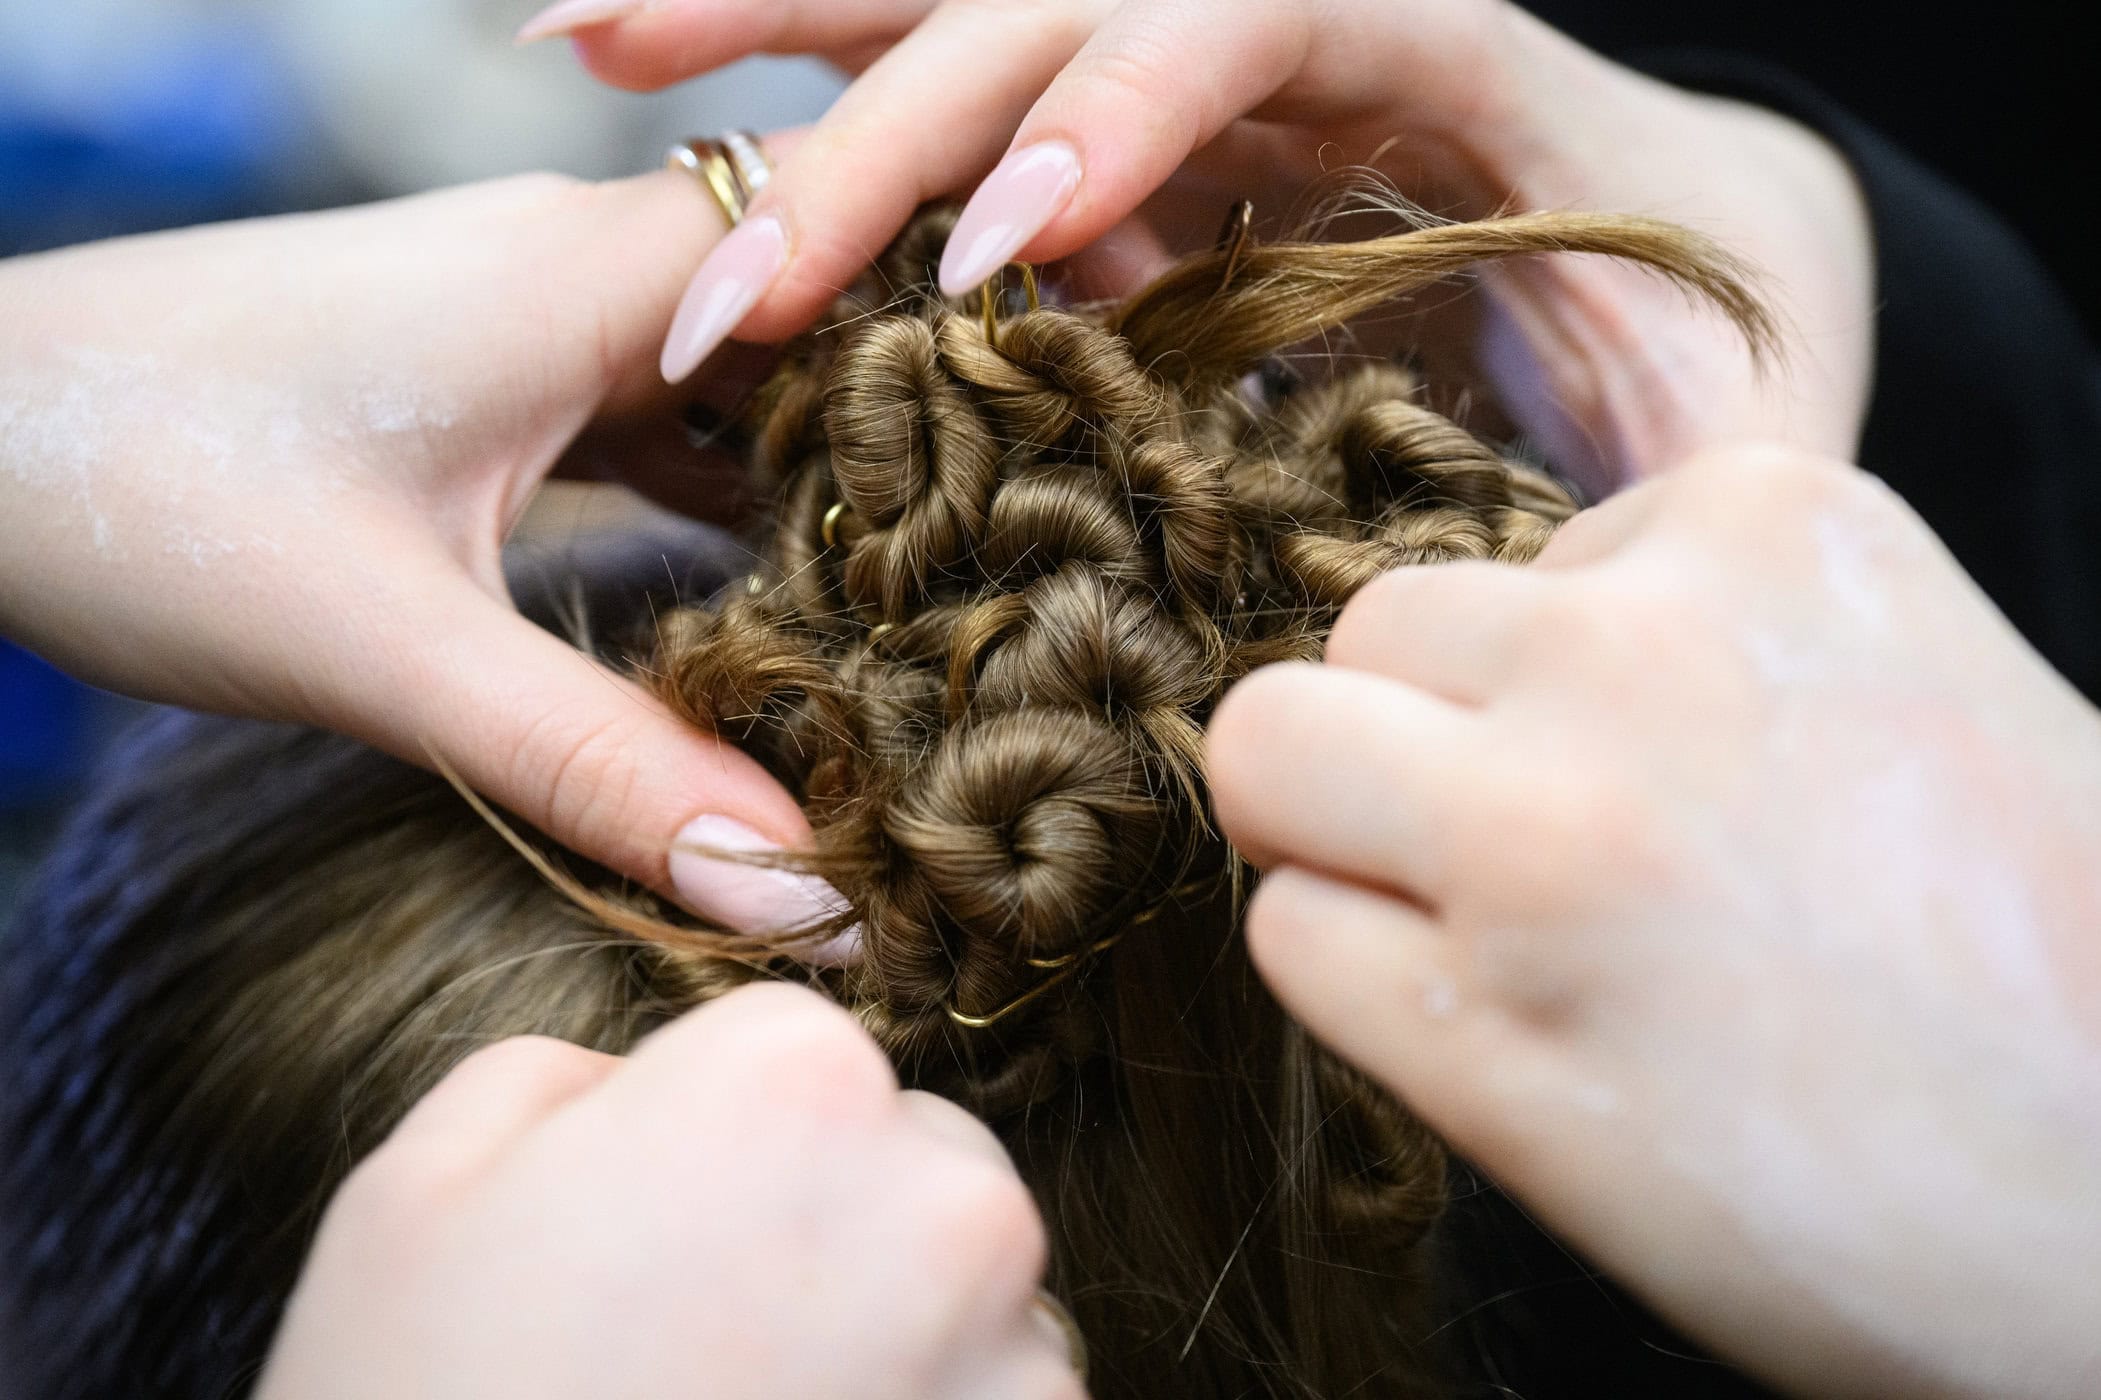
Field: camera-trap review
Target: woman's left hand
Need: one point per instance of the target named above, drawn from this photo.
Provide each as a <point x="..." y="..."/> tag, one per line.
<point x="268" y="467"/>
<point x="1726" y="886"/>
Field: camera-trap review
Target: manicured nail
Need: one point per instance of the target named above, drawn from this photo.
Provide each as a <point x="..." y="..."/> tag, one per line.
<point x="755" y="899"/>
<point x="730" y="281"/>
<point x="568" y="16"/>
<point x="1022" y="194"/>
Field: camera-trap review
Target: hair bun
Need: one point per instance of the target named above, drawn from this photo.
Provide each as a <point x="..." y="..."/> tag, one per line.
<point x="1017" y="562"/>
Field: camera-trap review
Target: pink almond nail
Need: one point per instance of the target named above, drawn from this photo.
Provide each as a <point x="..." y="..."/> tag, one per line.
<point x="1022" y="194"/>
<point x="730" y="282"/>
<point x="568" y="16"/>
<point x="755" y="899"/>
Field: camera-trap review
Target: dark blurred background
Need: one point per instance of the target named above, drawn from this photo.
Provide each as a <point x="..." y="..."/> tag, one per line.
<point x="119" y="116"/>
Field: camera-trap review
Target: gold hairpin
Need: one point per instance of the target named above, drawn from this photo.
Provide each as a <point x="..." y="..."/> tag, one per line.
<point x="994" y="290"/>
<point x="978" y="1023"/>
<point x="1067" y="959"/>
<point x="828" y="528"/>
<point x="1233" y="238"/>
<point x="1066" y="964"/>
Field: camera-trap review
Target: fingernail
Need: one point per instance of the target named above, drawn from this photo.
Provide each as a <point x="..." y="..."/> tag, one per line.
<point x="755" y="899"/>
<point x="730" y="281"/>
<point x="568" y="16"/>
<point x="1022" y="194"/>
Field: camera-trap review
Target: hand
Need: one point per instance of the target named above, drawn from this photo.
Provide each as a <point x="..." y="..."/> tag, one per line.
<point x="267" y="468"/>
<point x="1092" y="107"/>
<point x="1726" y="886"/>
<point x="746" y="1207"/>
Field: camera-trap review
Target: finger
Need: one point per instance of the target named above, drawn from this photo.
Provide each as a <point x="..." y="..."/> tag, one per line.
<point x="925" y="119"/>
<point x="1385" y="987"/>
<point x="1449" y="629"/>
<point x="771" y="1056"/>
<point x="584" y="755"/>
<point x="613" y="273"/>
<point x="1156" y="82"/>
<point x="489" y="1101"/>
<point x="655" y="46"/>
<point x="1372" y="977"/>
<point x="1594" y="535"/>
<point x="1348" y="773"/>
<point x="952" y="1124"/>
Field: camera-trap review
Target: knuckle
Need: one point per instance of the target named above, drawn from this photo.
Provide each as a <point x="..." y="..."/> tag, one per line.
<point x="1133" y="84"/>
<point x="804" y="1052"/>
<point x="395" y="1187"/>
<point x="1770" y="481"/>
<point x="989" y="1217"/>
<point x="1611" y="633"/>
<point x="520" y="1057"/>
<point x="581" y="776"/>
<point x="1577" y="837"/>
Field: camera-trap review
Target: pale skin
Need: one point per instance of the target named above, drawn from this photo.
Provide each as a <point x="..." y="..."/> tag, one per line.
<point x="745" y="1207"/>
<point x="1725" y="885"/>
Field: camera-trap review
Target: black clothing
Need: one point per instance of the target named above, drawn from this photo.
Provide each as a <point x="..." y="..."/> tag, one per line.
<point x="1986" y="413"/>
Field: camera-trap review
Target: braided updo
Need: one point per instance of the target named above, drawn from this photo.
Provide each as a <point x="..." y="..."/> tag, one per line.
<point x="1016" y="561"/>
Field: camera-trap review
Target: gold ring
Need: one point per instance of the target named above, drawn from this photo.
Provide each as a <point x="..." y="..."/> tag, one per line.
<point x="749" y="158"/>
<point x="732" y="169"/>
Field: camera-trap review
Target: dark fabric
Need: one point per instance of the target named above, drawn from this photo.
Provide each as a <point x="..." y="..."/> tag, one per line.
<point x="1986" y="413"/>
<point x="1998" y="100"/>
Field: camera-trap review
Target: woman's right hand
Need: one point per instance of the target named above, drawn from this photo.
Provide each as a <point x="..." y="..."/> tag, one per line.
<point x="745" y="1207"/>
<point x="1096" y="111"/>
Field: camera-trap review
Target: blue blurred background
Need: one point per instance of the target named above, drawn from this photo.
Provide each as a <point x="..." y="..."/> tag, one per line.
<point x="122" y="116"/>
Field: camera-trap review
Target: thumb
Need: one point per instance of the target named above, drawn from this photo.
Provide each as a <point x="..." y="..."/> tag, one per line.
<point x="616" y="263"/>
<point x="596" y="762"/>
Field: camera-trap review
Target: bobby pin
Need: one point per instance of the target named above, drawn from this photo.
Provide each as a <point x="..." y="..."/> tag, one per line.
<point x="828" y="528"/>
<point x="1064" y="965"/>
<point x="1089" y="951"/>
<point x="994" y="290"/>
<point x="978" y="1023"/>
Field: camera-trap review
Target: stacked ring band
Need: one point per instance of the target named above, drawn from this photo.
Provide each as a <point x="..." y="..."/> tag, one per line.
<point x="731" y="168"/>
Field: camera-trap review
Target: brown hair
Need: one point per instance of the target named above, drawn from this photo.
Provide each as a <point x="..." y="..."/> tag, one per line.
<point x="1018" y="556"/>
